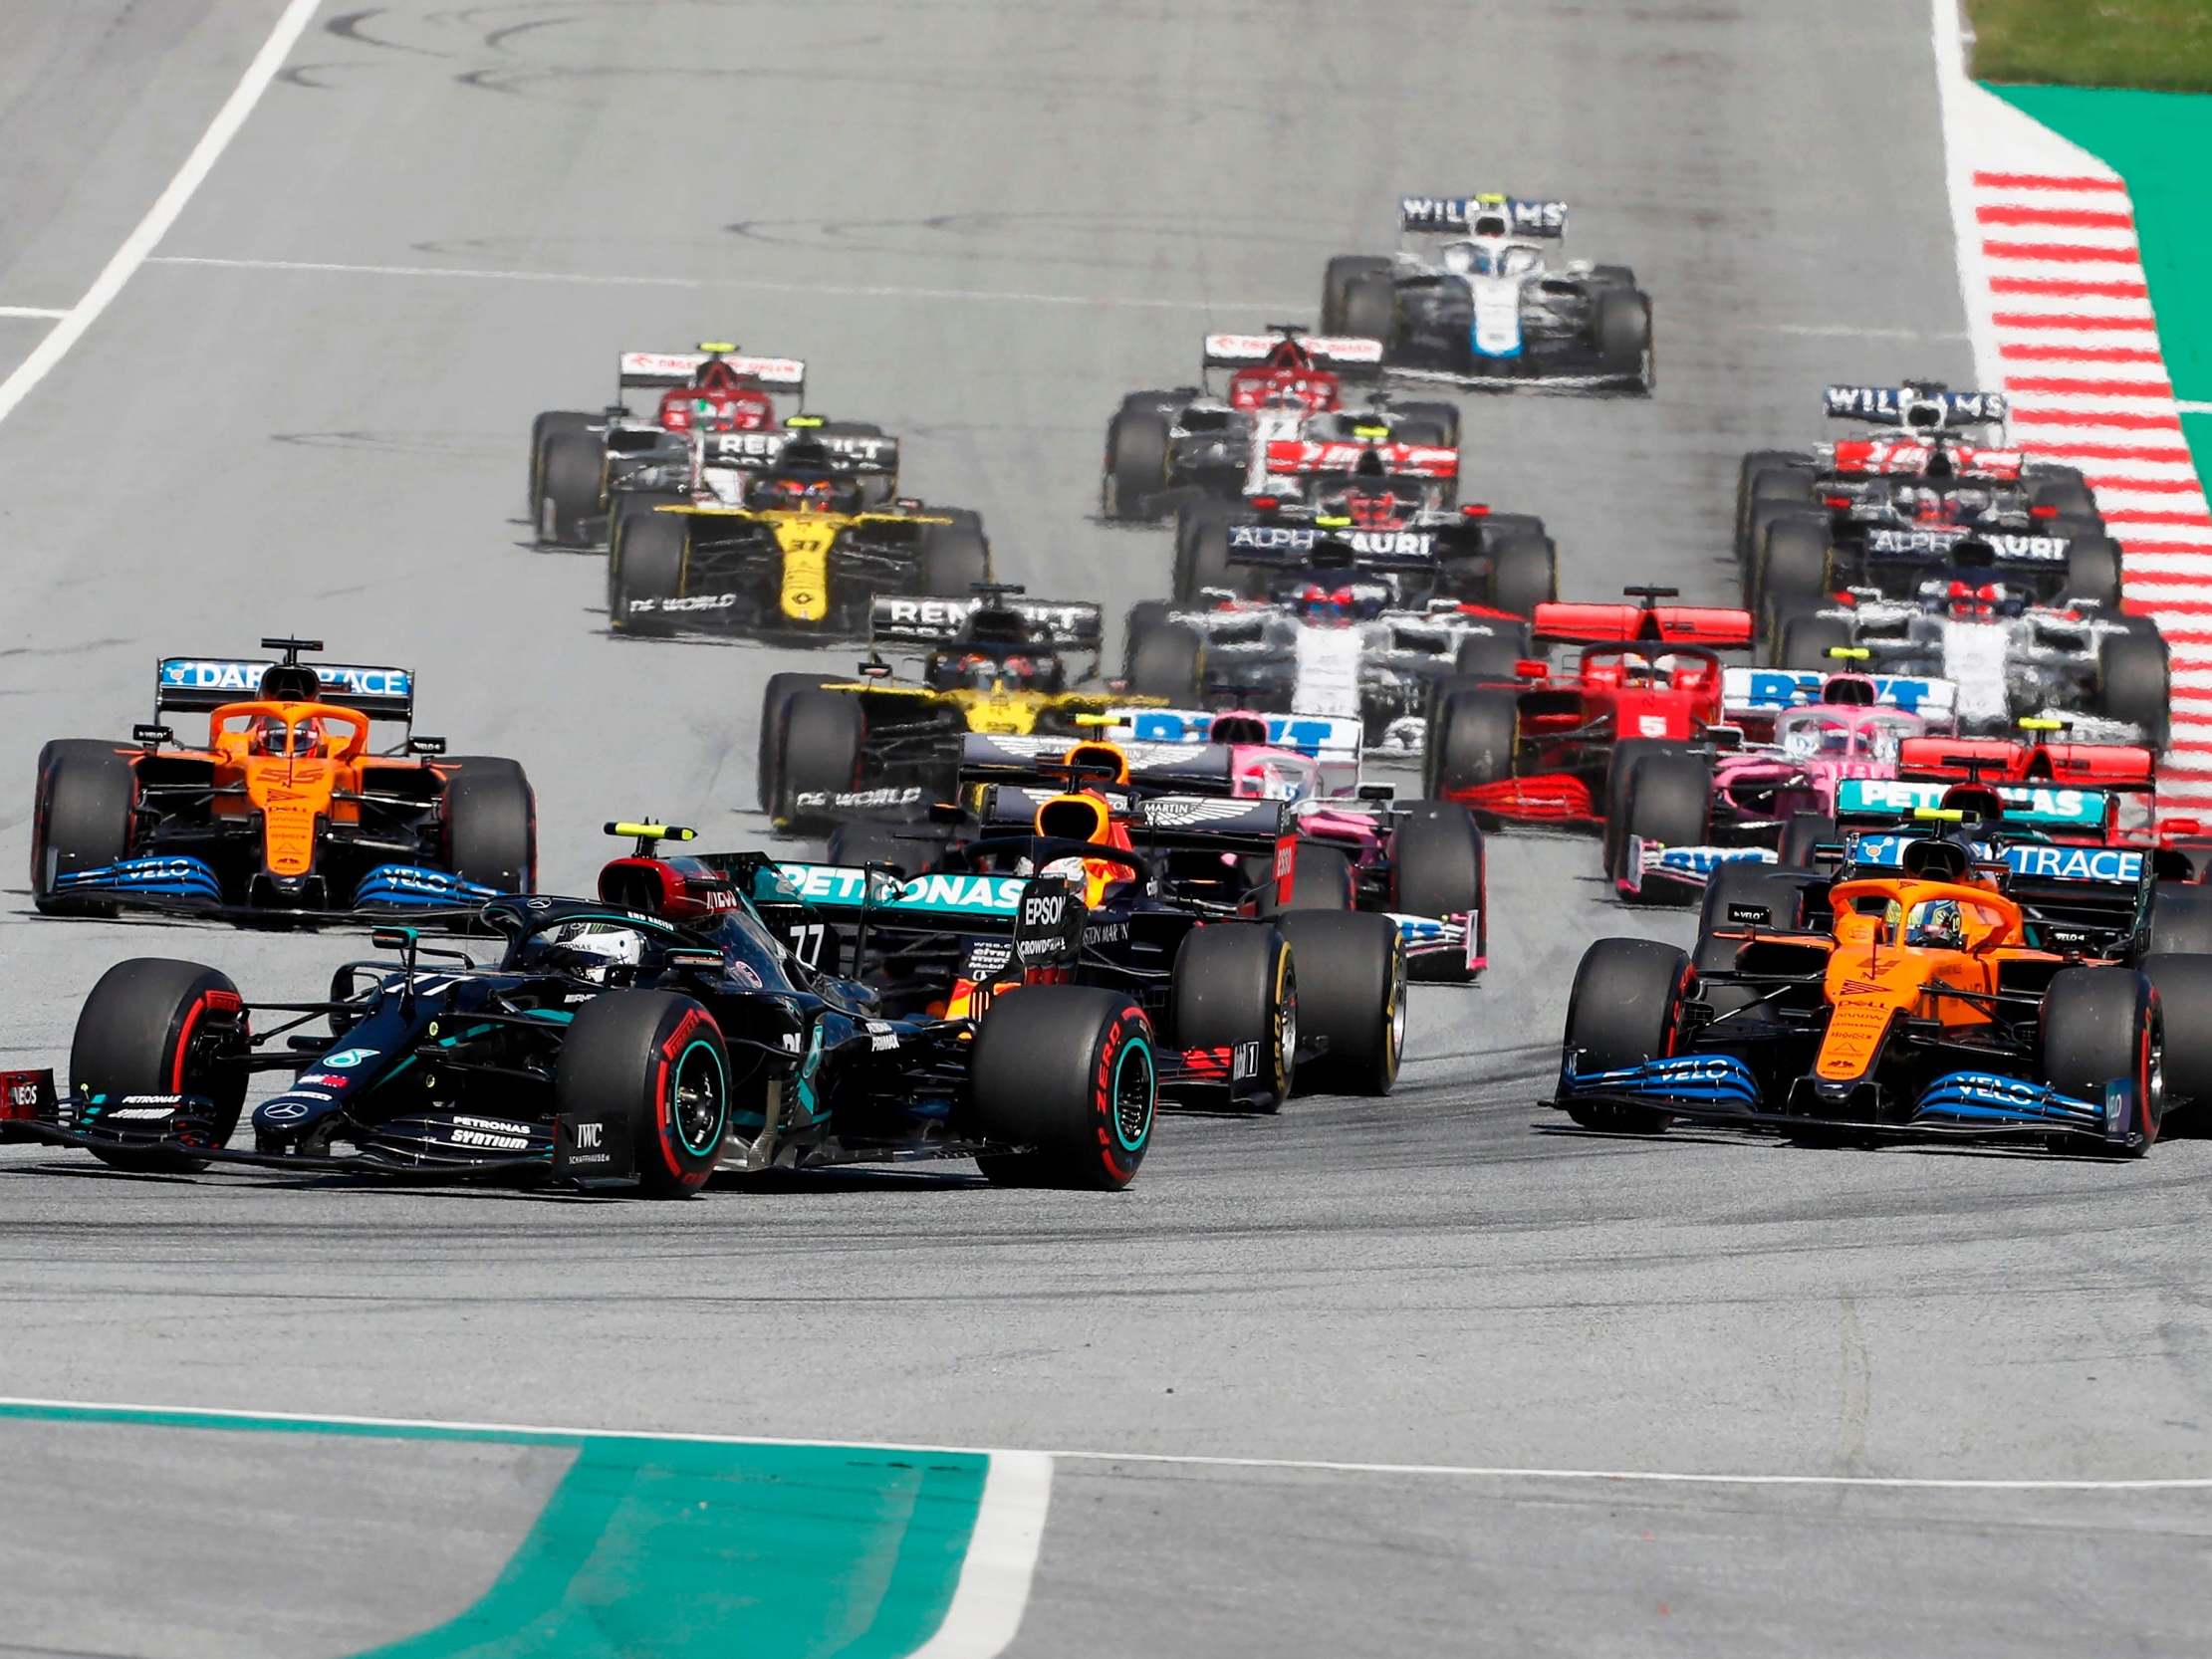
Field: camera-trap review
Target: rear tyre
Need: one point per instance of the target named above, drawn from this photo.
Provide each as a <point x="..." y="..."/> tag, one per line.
<point x="1524" y="575"/>
<point x="2067" y="491"/>
<point x="1434" y="425"/>
<point x="1167" y="662"/>
<point x="1073" y="1078"/>
<point x="1342" y="272"/>
<point x="1136" y="462"/>
<point x="1351" y="991"/>
<point x="491" y="822"/>
<point x="541" y="429"/>
<point x="1741" y="888"/>
<point x="1800" y="835"/>
<point x="1202" y="556"/>
<point x="1320" y="879"/>
<point x="1805" y="640"/>
<point x="1769" y="490"/>
<point x="644" y="571"/>
<point x="2133" y="684"/>
<point x="2101" y="1024"/>
<point x="1620" y="333"/>
<point x="154" y="1025"/>
<point x="1625" y="1009"/>
<point x="1234" y="983"/>
<point x="1795" y="566"/>
<point x="823" y="735"/>
<point x="570" y="470"/>
<point x="1668" y="800"/>
<point x="1488" y="657"/>
<point x="1371" y="307"/>
<point x="2185" y="1001"/>
<point x="1476" y="741"/>
<point x="82" y="808"/>
<point x="1437" y="870"/>
<point x="955" y="557"/>
<point x="659" y="1058"/>
<point x="2092" y="572"/>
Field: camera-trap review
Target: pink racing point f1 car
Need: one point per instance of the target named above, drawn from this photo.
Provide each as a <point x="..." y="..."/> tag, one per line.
<point x="1769" y="795"/>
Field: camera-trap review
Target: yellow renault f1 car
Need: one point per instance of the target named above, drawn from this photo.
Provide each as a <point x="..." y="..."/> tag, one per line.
<point x="790" y="532"/>
<point x="996" y="663"/>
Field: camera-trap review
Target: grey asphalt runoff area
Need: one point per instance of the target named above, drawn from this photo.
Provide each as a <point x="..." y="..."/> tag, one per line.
<point x="981" y="221"/>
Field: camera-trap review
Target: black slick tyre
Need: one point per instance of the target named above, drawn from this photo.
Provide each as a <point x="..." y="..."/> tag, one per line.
<point x="1202" y="556"/>
<point x="1136" y="462"/>
<point x="1625" y="1009"/>
<point x="774" y="700"/>
<point x="1620" y="333"/>
<point x="1320" y="879"/>
<point x="2184" y="985"/>
<point x="955" y="557"/>
<point x="2102" y="1025"/>
<point x="566" y="478"/>
<point x="1524" y="574"/>
<point x="156" y="1025"/>
<point x="1476" y="738"/>
<point x="1437" y="870"/>
<point x="1371" y="307"/>
<point x="2092" y="572"/>
<point x="1800" y="835"/>
<point x="1808" y="639"/>
<point x="823" y="735"/>
<point x="82" y="808"/>
<point x="2133" y="683"/>
<point x="658" y="1057"/>
<point x="1795" y="566"/>
<point x="1336" y="280"/>
<point x="1068" y="1075"/>
<point x="1351" y="994"/>
<point x="1667" y="802"/>
<point x="491" y="822"/>
<point x="645" y="570"/>
<point x="1167" y="661"/>
<point x="1234" y="983"/>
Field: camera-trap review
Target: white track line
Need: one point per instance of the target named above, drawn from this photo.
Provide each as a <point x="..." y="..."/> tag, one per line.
<point x="218" y="1418"/>
<point x="32" y="310"/>
<point x="1000" y="1563"/>
<point x="862" y="290"/>
<point x="163" y="213"/>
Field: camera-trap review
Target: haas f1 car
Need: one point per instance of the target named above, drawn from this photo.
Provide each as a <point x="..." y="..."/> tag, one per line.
<point x="1490" y="309"/>
<point x="285" y="814"/>
<point x="638" y="1040"/>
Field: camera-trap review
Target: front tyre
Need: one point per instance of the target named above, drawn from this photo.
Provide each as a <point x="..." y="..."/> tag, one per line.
<point x="2101" y="1025"/>
<point x="658" y="1059"/>
<point x="154" y="1025"/>
<point x="1068" y="1079"/>
<point x="1625" y="1009"/>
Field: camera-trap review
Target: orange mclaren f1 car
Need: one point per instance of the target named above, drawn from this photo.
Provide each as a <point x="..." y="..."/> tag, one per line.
<point x="286" y="815"/>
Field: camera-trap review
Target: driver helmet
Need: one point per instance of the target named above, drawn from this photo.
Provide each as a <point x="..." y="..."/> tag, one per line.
<point x="1472" y="259"/>
<point x="816" y="494"/>
<point x="596" y="949"/>
<point x="272" y="734"/>
<point x="1072" y="870"/>
<point x="1940" y="924"/>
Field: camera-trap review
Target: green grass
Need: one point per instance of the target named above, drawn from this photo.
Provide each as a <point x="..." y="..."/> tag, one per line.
<point x="2161" y="45"/>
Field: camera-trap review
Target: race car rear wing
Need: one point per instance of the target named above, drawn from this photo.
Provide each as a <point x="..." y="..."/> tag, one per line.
<point x="857" y="454"/>
<point x="1887" y="405"/>
<point x="2003" y="547"/>
<point x="938" y="619"/>
<point x="1754" y="693"/>
<point x="639" y="370"/>
<point x="2067" y="866"/>
<point x="1326" y="351"/>
<point x="1011" y="758"/>
<point x="1574" y="623"/>
<point x="1452" y="215"/>
<point x="2128" y="767"/>
<point x="1304" y="458"/>
<point x="2026" y="806"/>
<point x="1321" y="736"/>
<point x="198" y="685"/>
<point x="1859" y="459"/>
<point x="1297" y="546"/>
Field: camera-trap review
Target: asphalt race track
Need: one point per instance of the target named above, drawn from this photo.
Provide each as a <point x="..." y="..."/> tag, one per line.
<point x="980" y="221"/>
